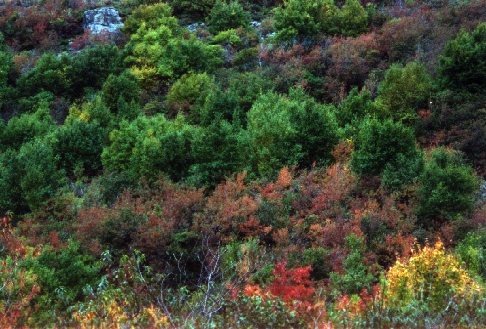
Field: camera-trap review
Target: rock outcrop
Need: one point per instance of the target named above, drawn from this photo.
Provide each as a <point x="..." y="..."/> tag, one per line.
<point x="102" y="19"/>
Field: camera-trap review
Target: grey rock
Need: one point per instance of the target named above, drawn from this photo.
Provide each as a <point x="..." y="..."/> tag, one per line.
<point x="193" y="27"/>
<point x="102" y="19"/>
<point x="255" y="24"/>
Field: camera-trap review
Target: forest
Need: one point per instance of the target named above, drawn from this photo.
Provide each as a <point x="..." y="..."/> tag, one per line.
<point x="243" y="164"/>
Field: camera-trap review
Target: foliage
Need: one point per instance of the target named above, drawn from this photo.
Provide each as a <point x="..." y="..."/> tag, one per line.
<point x="39" y="175"/>
<point x="27" y="127"/>
<point x="356" y="276"/>
<point x="472" y="251"/>
<point x="225" y="16"/>
<point x="49" y="74"/>
<point x="461" y="65"/>
<point x="7" y="91"/>
<point x="19" y="289"/>
<point x="79" y="146"/>
<point x="384" y="147"/>
<point x="354" y="18"/>
<point x="185" y="94"/>
<point x="216" y="153"/>
<point x="149" y="146"/>
<point x="62" y="276"/>
<point x="430" y="282"/>
<point x="405" y="91"/>
<point x="91" y="67"/>
<point x="289" y="131"/>
<point x="303" y="20"/>
<point x="120" y="93"/>
<point x="448" y="187"/>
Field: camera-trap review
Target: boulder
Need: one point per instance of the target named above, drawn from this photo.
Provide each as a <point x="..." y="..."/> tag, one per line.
<point x="102" y="19"/>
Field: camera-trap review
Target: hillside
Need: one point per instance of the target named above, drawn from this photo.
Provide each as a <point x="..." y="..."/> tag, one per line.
<point x="251" y="164"/>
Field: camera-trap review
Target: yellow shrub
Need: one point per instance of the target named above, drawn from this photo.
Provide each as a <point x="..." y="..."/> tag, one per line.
<point x="431" y="278"/>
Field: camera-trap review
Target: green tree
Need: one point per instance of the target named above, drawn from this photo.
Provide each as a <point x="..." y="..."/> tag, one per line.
<point x="40" y="177"/>
<point x="166" y="149"/>
<point x="150" y="17"/>
<point x="462" y="64"/>
<point x="121" y="94"/>
<point x="300" y="20"/>
<point x="90" y="68"/>
<point x="447" y="187"/>
<point x="405" y="90"/>
<point x="286" y="131"/>
<point x="187" y="93"/>
<point x="49" y="74"/>
<point x="225" y="16"/>
<point x="354" y="108"/>
<point x="7" y="90"/>
<point x="216" y="153"/>
<point x="62" y="275"/>
<point x="150" y="146"/>
<point x="356" y="276"/>
<point x="10" y="191"/>
<point x="354" y="19"/>
<point x="385" y="147"/>
<point x="78" y="147"/>
<point x="27" y="127"/>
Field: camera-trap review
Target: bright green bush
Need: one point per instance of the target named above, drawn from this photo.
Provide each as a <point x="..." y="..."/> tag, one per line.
<point x="62" y="275"/>
<point x="150" y="146"/>
<point x="151" y="17"/>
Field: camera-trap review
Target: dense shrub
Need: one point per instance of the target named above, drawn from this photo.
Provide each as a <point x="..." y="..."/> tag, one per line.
<point x="225" y="16"/>
<point x="430" y="283"/>
<point x="461" y="66"/>
<point x="386" y="147"/>
<point x="448" y="187"/>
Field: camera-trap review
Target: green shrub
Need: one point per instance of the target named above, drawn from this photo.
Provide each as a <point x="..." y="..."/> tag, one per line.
<point x="26" y="128"/>
<point x="79" y="146"/>
<point x="356" y="276"/>
<point x="286" y="131"/>
<point x="40" y="176"/>
<point x="302" y="20"/>
<point x="353" y="19"/>
<point x="49" y="74"/>
<point x="462" y="64"/>
<point x="405" y="90"/>
<point x="62" y="275"/>
<point x="472" y="251"/>
<point x="447" y="187"/>
<point x="225" y="16"/>
<point x="386" y="148"/>
<point x="121" y="89"/>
